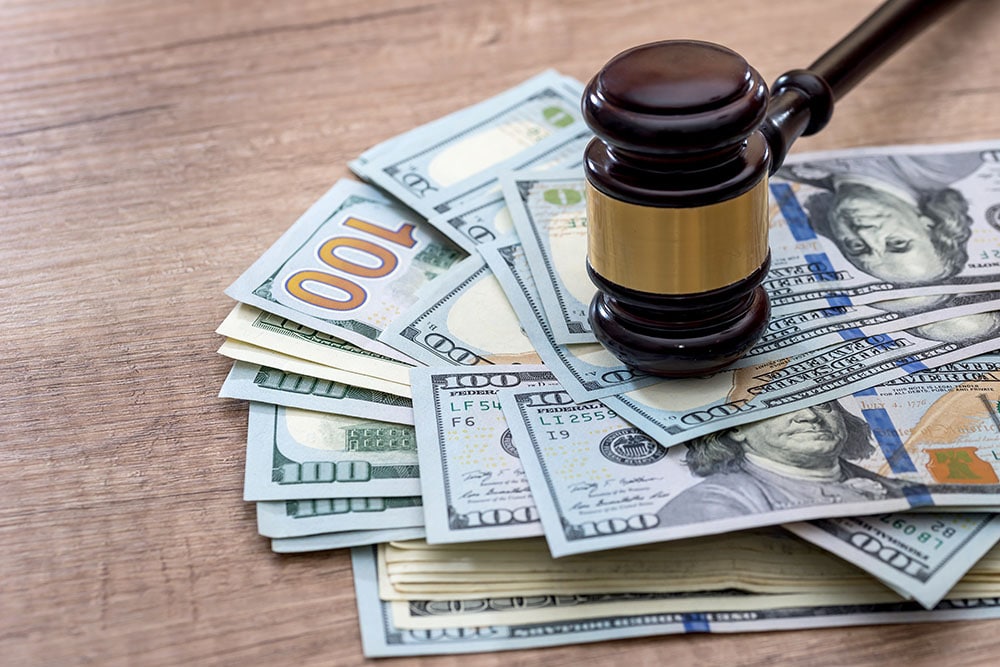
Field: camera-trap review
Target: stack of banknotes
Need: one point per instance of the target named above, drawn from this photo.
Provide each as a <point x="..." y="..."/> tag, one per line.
<point x="425" y="388"/>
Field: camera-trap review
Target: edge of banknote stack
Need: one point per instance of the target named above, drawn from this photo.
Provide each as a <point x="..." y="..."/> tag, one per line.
<point x="424" y="388"/>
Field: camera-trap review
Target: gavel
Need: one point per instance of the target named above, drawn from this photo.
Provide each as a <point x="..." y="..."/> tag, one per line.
<point x="687" y="135"/>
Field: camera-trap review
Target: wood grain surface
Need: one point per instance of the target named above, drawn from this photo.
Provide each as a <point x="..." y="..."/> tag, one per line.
<point x="150" y="151"/>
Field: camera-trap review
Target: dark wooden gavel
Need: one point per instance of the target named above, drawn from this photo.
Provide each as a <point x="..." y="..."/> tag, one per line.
<point x="687" y="134"/>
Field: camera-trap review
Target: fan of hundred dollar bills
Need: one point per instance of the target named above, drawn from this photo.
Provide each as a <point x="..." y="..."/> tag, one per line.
<point x="424" y="387"/>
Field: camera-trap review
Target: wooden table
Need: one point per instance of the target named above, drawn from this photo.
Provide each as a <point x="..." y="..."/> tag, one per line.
<point x="150" y="151"/>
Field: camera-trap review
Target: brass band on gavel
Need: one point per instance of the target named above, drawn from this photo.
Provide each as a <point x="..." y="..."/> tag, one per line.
<point x="677" y="250"/>
<point x="677" y="207"/>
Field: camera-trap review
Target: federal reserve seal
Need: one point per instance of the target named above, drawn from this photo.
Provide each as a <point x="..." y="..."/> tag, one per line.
<point x="507" y="442"/>
<point x="993" y="216"/>
<point x="631" y="447"/>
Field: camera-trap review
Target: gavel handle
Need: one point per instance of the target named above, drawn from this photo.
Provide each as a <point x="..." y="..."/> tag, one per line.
<point x="802" y="100"/>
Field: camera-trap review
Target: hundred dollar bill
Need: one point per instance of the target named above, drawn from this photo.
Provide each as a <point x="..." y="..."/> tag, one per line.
<point x="350" y="538"/>
<point x="251" y="354"/>
<point x="600" y="483"/>
<point x="298" y="518"/>
<point x="798" y="333"/>
<point x="584" y="369"/>
<point x="296" y="454"/>
<point x="472" y="482"/>
<point x="348" y="266"/>
<point x="252" y="382"/>
<point x="257" y="327"/>
<point x="445" y="162"/>
<point x="463" y="319"/>
<point x="484" y="216"/>
<point x="866" y="225"/>
<point x="549" y="210"/>
<point x="678" y="410"/>
<point x="920" y="555"/>
<point x="381" y="638"/>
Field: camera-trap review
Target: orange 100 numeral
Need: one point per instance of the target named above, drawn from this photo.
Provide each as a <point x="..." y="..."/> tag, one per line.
<point x="354" y="294"/>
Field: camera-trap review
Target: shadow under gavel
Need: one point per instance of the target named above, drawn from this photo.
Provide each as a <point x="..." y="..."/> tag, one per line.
<point x="686" y="135"/>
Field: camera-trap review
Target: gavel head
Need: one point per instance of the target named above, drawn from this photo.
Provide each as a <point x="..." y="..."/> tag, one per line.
<point x="677" y="207"/>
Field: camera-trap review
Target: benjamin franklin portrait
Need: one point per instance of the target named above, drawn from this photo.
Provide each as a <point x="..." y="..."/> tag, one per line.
<point x="800" y="459"/>
<point x="894" y="218"/>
